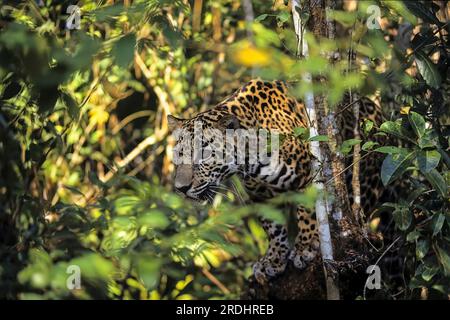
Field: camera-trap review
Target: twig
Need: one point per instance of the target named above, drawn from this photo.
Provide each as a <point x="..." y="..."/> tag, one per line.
<point x="216" y="281"/>
<point x="129" y="118"/>
<point x="154" y="138"/>
<point x="347" y="106"/>
<point x="348" y="167"/>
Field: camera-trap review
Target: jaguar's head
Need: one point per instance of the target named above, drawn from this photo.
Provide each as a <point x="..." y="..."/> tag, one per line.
<point x="200" y="154"/>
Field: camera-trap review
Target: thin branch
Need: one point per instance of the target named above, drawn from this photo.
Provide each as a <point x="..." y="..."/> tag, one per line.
<point x="129" y="118"/>
<point x="216" y="281"/>
<point x="144" y="144"/>
<point x="346" y="168"/>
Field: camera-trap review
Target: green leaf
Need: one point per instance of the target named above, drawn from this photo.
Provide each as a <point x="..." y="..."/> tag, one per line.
<point x="390" y="150"/>
<point x="413" y="236"/>
<point x="38" y="272"/>
<point x="428" y="160"/>
<point x="347" y="145"/>
<point x="444" y="259"/>
<point x="148" y="267"/>
<point x="125" y="204"/>
<point x="95" y="269"/>
<point x="422" y="247"/>
<point x="71" y="105"/>
<point x="402" y="218"/>
<point x="74" y="190"/>
<point x="369" y="145"/>
<point x="261" y="17"/>
<point x="271" y="213"/>
<point x="368" y="125"/>
<point x="437" y="223"/>
<point x="107" y="12"/>
<point x="153" y="218"/>
<point x="428" y="70"/>
<point x="394" y="165"/>
<point x="321" y="138"/>
<point x="123" y="50"/>
<point x="283" y="16"/>
<point x="429" y="273"/>
<point x="301" y="132"/>
<point x="437" y="181"/>
<point x="393" y="128"/>
<point x="417" y="123"/>
<point x="428" y="140"/>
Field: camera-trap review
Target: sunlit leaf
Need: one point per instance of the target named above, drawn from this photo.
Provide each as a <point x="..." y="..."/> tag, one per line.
<point x="250" y="56"/>
<point x="148" y="268"/>
<point x="321" y="138"/>
<point x="369" y="145"/>
<point x="153" y="219"/>
<point x="347" y="145"/>
<point x="261" y="17"/>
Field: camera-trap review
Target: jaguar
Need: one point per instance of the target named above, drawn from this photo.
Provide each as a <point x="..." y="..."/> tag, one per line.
<point x="267" y="105"/>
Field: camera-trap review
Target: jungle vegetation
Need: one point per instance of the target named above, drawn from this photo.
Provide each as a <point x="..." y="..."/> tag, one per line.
<point x="86" y="171"/>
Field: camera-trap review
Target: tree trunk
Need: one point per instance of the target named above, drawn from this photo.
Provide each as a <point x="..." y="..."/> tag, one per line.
<point x="314" y="107"/>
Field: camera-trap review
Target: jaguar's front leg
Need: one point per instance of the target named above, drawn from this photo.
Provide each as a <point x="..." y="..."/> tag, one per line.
<point x="275" y="260"/>
<point x="307" y="244"/>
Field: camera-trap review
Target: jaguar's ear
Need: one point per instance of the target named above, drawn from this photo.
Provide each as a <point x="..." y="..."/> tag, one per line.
<point x="173" y="122"/>
<point x="229" y="121"/>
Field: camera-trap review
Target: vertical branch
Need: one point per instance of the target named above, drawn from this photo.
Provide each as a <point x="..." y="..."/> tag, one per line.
<point x="249" y="17"/>
<point x="197" y="15"/>
<point x="333" y="165"/>
<point x="322" y="203"/>
<point x="356" y="185"/>
<point x="356" y="165"/>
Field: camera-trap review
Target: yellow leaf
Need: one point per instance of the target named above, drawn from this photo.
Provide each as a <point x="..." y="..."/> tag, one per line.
<point x="405" y="109"/>
<point x="250" y="56"/>
<point x="98" y="116"/>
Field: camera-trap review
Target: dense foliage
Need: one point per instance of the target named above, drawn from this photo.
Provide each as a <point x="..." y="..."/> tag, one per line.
<point x="85" y="151"/>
